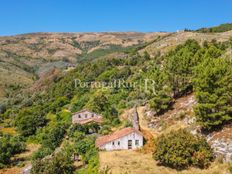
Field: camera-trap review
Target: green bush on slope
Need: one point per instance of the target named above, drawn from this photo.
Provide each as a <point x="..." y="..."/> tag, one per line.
<point x="181" y="149"/>
<point x="10" y="146"/>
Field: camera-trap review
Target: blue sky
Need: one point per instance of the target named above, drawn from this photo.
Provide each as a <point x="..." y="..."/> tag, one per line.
<point x="25" y="16"/>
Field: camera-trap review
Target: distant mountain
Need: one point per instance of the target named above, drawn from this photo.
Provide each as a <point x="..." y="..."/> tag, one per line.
<point x="27" y="57"/>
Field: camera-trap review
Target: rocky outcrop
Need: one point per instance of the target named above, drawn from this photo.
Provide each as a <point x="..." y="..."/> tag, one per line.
<point x="222" y="148"/>
<point x="27" y="169"/>
<point x="221" y="142"/>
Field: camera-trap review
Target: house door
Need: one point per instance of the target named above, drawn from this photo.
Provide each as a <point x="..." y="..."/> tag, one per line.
<point x="129" y="144"/>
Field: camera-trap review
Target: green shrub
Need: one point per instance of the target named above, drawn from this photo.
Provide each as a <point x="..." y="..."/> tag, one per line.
<point x="50" y="137"/>
<point x="60" y="163"/>
<point x="54" y="136"/>
<point x="10" y="146"/>
<point x="115" y="122"/>
<point x="29" y="120"/>
<point x="41" y="153"/>
<point x="86" y="148"/>
<point x="180" y="149"/>
<point x="106" y="129"/>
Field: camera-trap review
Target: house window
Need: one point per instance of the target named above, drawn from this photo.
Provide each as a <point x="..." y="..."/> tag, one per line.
<point x="92" y="115"/>
<point x="136" y="142"/>
<point x="113" y="143"/>
<point x="119" y="143"/>
<point x="85" y="115"/>
<point x="79" y="116"/>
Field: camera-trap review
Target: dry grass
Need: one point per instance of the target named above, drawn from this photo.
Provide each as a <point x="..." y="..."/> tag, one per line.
<point x="31" y="148"/>
<point x="13" y="170"/>
<point x="8" y="130"/>
<point x="132" y="162"/>
<point x="2" y="92"/>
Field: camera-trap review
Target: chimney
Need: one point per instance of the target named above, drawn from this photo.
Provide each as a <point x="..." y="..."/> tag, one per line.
<point x="135" y="119"/>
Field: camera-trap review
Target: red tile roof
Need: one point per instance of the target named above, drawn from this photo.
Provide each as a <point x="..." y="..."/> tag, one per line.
<point x="116" y="135"/>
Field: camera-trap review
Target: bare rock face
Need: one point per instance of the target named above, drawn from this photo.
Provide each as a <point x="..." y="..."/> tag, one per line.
<point x="189" y="120"/>
<point x="27" y="169"/>
<point x="223" y="148"/>
<point x="221" y="142"/>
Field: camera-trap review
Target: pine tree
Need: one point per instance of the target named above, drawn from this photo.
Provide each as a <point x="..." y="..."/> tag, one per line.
<point x="179" y="64"/>
<point x="213" y="88"/>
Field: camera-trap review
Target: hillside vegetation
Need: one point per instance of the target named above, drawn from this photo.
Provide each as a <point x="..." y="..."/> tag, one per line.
<point x="25" y="58"/>
<point x="200" y="68"/>
<point x="217" y="29"/>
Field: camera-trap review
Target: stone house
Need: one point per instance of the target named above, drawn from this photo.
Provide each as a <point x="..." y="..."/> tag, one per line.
<point x="85" y="117"/>
<point x="127" y="138"/>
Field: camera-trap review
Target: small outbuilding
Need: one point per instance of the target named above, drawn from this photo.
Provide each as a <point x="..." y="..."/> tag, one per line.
<point x="127" y="138"/>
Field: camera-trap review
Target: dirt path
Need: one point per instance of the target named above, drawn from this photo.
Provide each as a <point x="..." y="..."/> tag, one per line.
<point x="143" y="122"/>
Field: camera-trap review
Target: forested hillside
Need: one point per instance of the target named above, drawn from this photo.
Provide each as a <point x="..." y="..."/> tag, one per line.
<point x="217" y="29"/>
<point x="182" y="67"/>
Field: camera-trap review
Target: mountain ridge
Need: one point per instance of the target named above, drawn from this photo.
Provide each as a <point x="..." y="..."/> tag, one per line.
<point x="26" y="57"/>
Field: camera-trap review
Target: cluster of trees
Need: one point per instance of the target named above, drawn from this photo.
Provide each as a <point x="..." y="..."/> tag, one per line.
<point x="202" y="70"/>
<point x="62" y="160"/>
<point x="50" y="138"/>
<point x="28" y="120"/>
<point x="217" y="29"/>
<point x="89" y="154"/>
<point x="181" y="150"/>
<point x="9" y="146"/>
<point x="179" y="66"/>
<point x="213" y="89"/>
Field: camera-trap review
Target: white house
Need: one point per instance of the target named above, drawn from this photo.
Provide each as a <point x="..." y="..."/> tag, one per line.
<point x="127" y="138"/>
<point x="85" y="117"/>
